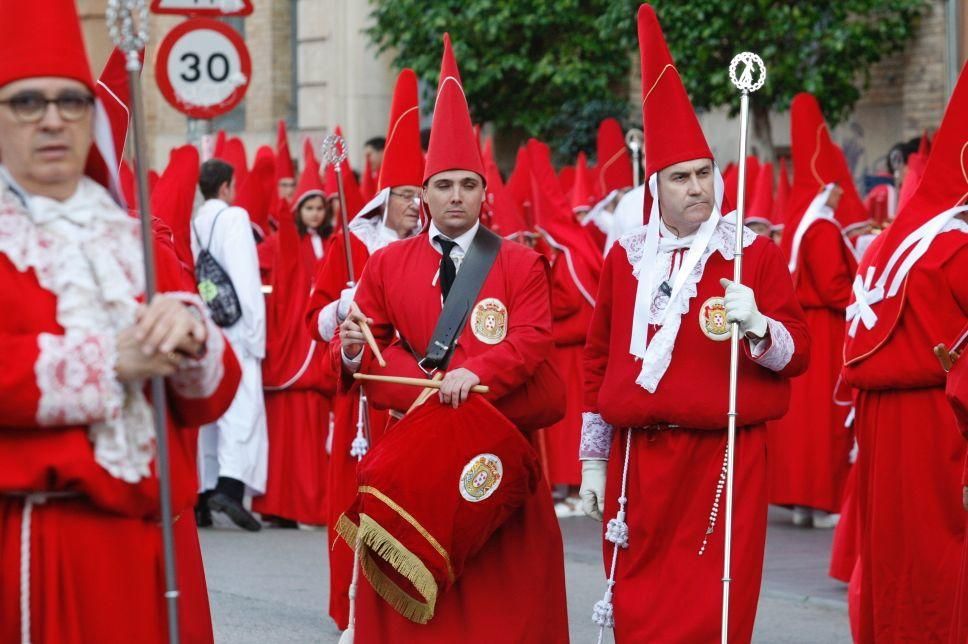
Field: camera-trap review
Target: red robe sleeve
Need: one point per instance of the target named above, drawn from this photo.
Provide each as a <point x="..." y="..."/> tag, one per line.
<point x="831" y="265"/>
<point x="597" y="342"/>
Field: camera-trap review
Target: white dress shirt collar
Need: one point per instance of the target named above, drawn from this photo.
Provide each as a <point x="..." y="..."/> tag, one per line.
<point x="463" y="241"/>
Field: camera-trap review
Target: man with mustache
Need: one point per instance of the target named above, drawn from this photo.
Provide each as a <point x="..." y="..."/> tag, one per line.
<point x="513" y="588"/>
<point x="657" y="364"/>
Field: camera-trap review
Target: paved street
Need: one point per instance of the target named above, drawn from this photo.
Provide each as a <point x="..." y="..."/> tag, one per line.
<point x="271" y="587"/>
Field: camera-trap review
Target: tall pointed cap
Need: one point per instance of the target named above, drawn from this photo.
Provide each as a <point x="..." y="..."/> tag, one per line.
<point x="492" y="174"/>
<point x="403" y="163"/>
<point x="111" y="125"/>
<point x="453" y="145"/>
<point x="582" y="194"/>
<point x="309" y="184"/>
<point x="255" y="193"/>
<point x="234" y="154"/>
<point x="174" y="197"/>
<point x="761" y="204"/>
<point x="782" y="194"/>
<point x="284" y="167"/>
<point x="672" y="132"/>
<point x="614" y="161"/>
<point x="42" y="39"/>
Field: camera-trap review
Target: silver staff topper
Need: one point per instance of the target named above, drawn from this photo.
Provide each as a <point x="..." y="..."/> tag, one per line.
<point x="334" y="153"/>
<point x="633" y="139"/>
<point x="750" y="79"/>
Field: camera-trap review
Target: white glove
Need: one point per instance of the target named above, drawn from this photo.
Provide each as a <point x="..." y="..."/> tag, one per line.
<point x="741" y="308"/>
<point x="345" y="299"/>
<point x="592" y="490"/>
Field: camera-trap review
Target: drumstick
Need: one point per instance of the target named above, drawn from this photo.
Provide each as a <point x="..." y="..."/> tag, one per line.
<point x="425" y="394"/>
<point x="414" y="382"/>
<point x="944" y="357"/>
<point x="371" y="342"/>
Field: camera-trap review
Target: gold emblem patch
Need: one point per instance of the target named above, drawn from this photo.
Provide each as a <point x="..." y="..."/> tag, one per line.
<point x="481" y="477"/>
<point x="712" y="319"/>
<point x="490" y="321"/>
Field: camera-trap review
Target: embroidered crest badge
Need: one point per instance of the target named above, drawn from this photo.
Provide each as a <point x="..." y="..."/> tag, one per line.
<point x="712" y="319"/>
<point x="489" y="321"/>
<point x="481" y="477"/>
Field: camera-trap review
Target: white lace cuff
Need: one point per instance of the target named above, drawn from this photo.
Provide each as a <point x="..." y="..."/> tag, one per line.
<point x="76" y="377"/>
<point x="596" y="437"/>
<point x="774" y="351"/>
<point x="328" y="322"/>
<point x="200" y="378"/>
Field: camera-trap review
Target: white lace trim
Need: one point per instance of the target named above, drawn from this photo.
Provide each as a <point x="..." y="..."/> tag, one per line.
<point x="775" y="354"/>
<point x="596" y="437"/>
<point x="200" y="378"/>
<point x="662" y="344"/>
<point x="87" y="252"/>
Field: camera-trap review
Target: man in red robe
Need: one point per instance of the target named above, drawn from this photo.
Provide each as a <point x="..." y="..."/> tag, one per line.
<point x="80" y="544"/>
<point x="657" y="386"/>
<point x="392" y="215"/>
<point x="810" y="447"/>
<point x="910" y="295"/>
<point x="513" y="589"/>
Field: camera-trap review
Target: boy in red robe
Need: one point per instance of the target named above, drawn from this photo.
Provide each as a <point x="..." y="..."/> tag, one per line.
<point x="513" y="589"/>
<point x="657" y="386"/>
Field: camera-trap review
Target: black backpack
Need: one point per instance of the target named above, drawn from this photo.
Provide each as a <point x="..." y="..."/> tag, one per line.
<point x="214" y="285"/>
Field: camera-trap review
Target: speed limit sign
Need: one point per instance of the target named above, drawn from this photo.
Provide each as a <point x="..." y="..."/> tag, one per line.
<point x="203" y="68"/>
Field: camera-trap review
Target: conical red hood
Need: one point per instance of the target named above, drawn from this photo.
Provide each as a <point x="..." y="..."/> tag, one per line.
<point x="104" y="159"/>
<point x="817" y="161"/>
<point x="42" y="39"/>
<point x="566" y="178"/>
<point x="555" y="216"/>
<point x="218" y="150"/>
<point x="284" y="167"/>
<point x="173" y="199"/>
<point x="614" y="161"/>
<point x="782" y="194"/>
<point x="256" y="193"/>
<point x="492" y="174"/>
<point x="453" y="145"/>
<point x="582" y="195"/>
<point x="761" y="205"/>
<point x="731" y="182"/>
<point x="367" y="180"/>
<point x="672" y="132"/>
<point x="309" y="184"/>
<point x="234" y="154"/>
<point x="512" y="204"/>
<point x="403" y="163"/>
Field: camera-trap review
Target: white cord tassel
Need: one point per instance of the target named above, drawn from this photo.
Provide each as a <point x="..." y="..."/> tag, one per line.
<point x="360" y="446"/>
<point x="350" y="633"/>
<point x="617" y="532"/>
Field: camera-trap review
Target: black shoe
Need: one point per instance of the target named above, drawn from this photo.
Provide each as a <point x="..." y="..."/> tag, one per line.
<point x="241" y="517"/>
<point x="203" y="516"/>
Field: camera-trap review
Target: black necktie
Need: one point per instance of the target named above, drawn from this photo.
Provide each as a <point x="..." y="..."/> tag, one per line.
<point x="448" y="271"/>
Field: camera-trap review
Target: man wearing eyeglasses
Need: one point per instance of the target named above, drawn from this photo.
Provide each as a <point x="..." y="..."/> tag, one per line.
<point x="393" y="214"/>
<point x="80" y="543"/>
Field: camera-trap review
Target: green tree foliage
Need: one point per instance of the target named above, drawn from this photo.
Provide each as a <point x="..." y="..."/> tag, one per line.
<point x="825" y="47"/>
<point x="521" y="60"/>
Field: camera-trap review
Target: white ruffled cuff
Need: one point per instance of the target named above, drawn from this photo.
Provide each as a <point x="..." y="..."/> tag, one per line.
<point x="596" y="437"/>
<point x="77" y="379"/>
<point x="328" y="321"/>
<point x="775" y="350"/>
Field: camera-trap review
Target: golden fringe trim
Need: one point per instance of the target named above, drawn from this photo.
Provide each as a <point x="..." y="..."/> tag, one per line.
<point x="380" y="542"/>
<point x="347" y="530"/>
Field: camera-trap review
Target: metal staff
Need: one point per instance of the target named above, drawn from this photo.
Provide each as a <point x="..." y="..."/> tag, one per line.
<point x="334" y="152"/>
<point x="746" y="85"/>
<point x="633" y="139"/>
<point x="127" y="21"/>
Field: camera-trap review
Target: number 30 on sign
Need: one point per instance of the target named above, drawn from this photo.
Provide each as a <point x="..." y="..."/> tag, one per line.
<point x="203" y="68"/>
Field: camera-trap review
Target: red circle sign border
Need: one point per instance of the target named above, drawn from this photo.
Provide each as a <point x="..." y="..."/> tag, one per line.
<point x="161" y="68"/>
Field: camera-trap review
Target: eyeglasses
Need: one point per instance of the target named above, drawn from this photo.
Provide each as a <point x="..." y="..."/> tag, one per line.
<point x="406" y="196"/>
<point x="30" y="107"/>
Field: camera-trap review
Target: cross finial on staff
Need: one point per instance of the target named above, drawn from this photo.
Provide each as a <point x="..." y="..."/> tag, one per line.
<point x="127" y="22"/>
<point x="751" y="64"/>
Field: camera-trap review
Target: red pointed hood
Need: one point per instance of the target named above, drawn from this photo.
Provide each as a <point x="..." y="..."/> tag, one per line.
<point x="782" y="194"/>
<point x="173" y="198"/>
<point x="566" y="178"/>
<point x="367" y="180"/>
<point x="614" y="161"/>
<point x="42" y="39"/>
<point x="309" y="184"/>
<point x="233" y="153"/>
<point x="817" y="161"/>
<point x="731" y="182"/>
<point x="453" y="145"/>
<point x="512" y="205"/>
<point x="256" y="193"/>
<point x="218" y="150"/>
<point x="672" y="132"/>
<point x="582" y="194"/>
<point x="761" y="204"/>
<point x="284" y="167"/>
<point x="403" y="162"/>
<point x="554" y="215"/>
<point x="492" y="174"/>
<point x="942" y="187"/>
